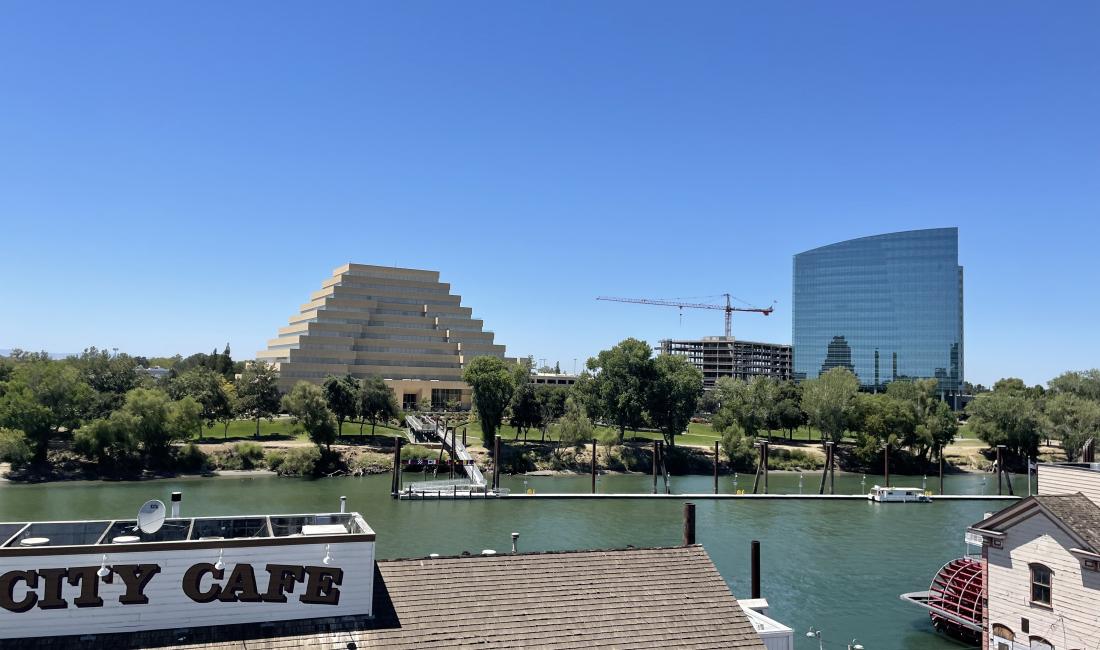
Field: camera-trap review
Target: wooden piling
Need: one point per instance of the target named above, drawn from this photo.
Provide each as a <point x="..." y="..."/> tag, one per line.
<point x="759" y="466"/>
<point x="824" y="472"/>
<point x="999" y="467"/>
<point x="395" y="480"/>
<point x="755" y="569"/>
<point x="593" y="466"/>
<point x="655" y="443"/>
<point x="716" y="467"/>
<point x="886" y="463"/>
<point x="689" y="523"/>
<point x="831" y="453"/>
<point x="941" y="470"/>
<point x="496" y="462"/>
<point x="765" y="467"/>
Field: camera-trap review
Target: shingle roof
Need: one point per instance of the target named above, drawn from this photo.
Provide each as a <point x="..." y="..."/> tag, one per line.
<point x="1077" y="512"/>
<point x="627" y="598"/>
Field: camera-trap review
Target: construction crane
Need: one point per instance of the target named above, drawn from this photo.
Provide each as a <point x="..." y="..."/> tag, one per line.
<point x="728" y="308"/>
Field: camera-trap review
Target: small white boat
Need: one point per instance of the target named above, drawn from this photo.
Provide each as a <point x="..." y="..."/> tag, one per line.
<point x="898" y="495"/>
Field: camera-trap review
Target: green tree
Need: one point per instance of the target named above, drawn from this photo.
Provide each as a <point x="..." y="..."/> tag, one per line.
<point x="708" y="402"/>
<point x="1084" y="384"/>
<point x="206" y="387"/>
<point x="150" y="408"/>
<point x="376" y="402"/>
<point x="258" y="393"/>
<point x="615" y="388"/>
<point x="937" y="429"/>
<point x="551" y="401"/>
<point x="306" y="403"/>
<point x="184" y="416"/>
<point x="830" y="402"/>
<point x="492" y="382"/>
<point x="226" y="416"/>
<point x="41" y="398"/>
<point x="111" y="377"/>
<point x="737" y="447"/>
<point x="672" y="395"/>
<point x="788" y="413"/>
<point x="574" y="428"/>
<point x="749" y="403"/>
<point x="110" y="440"/>
<point x="526" y="411"/>
<point x="342" y="397"/>
<point x="1073" y="420"/>
<point x="1008" y="415"/>
<point x="14" y="448"/>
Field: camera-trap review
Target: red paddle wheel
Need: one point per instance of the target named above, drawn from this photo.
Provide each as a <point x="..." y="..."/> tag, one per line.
<point x="955" y="598"/>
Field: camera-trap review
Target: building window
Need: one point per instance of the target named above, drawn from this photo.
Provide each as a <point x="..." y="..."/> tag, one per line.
<point x="1040" y="584"/>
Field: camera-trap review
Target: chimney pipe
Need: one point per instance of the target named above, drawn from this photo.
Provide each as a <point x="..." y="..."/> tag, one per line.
<point x="515" y="538"/>
<point x="177" y="498"/>
<point x="343" y="504"/>
<point x="755" y="569"/>
<point x="689" y="523"/>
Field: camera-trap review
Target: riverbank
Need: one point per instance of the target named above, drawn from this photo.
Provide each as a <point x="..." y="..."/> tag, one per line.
<point x="374" y="455"/>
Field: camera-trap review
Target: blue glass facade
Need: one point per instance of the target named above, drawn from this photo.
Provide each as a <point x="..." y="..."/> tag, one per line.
<point x="886" y="307"/>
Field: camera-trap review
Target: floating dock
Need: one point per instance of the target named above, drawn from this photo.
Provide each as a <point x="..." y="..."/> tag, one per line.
<point x="709" y="495"/>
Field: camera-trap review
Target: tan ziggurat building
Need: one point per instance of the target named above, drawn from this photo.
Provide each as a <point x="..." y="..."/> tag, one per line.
<point x="401" y="324"/>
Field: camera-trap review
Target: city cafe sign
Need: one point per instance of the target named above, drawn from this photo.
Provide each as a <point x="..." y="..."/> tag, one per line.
<point x="202" y="583"/>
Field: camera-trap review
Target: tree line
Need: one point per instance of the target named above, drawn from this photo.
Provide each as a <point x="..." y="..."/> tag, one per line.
<point x="624" y="387"/>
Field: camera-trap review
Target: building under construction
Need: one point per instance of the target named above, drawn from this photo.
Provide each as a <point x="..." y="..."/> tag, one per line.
<point x="725" y="356"/>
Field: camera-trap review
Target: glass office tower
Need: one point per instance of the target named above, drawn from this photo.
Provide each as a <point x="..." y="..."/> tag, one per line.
<point x="886" y="307"/>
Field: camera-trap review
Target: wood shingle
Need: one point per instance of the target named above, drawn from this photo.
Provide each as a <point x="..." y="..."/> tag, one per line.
<point x="626" y="598"/>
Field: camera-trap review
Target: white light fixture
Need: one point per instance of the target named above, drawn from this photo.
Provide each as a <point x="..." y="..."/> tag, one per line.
<point x="220" y="564"/>
<point x="103" y="570"/>
<point x="328" y="555"/>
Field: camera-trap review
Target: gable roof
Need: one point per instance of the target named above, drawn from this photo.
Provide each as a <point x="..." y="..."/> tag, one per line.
<point x="626" y="598"/>
<point x="1076" y="513"/>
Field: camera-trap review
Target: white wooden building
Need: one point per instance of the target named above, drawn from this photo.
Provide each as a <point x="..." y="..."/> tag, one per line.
<point x="1041" y="564"/>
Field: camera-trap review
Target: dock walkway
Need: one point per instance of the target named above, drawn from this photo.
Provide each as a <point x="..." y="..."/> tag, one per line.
<point x="708" y="495"/>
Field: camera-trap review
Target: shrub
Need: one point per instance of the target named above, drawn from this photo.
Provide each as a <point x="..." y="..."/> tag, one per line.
<point x="275" y="459"/>
<point x="191" y="459"/>
<point x="250" y="453"/>
<point x="793" y="459"/>
<point x="416" y="452"/>
<point x="299" y="461"/>
<point x="13" y="447"/>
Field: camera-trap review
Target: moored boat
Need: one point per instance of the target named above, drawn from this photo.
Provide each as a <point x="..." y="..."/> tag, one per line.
<point x="898" y="495"/>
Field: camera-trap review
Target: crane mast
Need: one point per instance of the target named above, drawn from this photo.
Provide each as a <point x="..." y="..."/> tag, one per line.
<point x="728" y="308"/>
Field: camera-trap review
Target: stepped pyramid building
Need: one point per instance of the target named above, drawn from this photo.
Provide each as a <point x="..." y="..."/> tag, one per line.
<point x="402" y="324"/>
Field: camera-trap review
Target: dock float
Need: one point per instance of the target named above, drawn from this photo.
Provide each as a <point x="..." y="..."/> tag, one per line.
<point x="708" y="495"/>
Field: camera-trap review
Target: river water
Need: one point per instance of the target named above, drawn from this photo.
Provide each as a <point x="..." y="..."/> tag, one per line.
<point x="836" y="565"/>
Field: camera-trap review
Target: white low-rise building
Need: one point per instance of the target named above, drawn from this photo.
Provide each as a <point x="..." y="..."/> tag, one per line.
<point x="1041" y="565"/>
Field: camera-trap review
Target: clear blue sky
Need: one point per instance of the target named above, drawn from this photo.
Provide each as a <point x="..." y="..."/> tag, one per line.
<point x="175" y="176"/>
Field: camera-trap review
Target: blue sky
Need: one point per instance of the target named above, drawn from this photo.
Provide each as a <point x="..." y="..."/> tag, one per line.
<point x="176" y="176"/>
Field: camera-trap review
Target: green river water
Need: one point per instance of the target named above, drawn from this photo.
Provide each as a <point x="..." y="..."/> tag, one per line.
<point x="836" y="565"/>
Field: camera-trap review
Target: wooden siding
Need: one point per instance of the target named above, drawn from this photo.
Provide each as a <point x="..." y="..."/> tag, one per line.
<point x="169" y="607"/>
<point x="1075" y="593"/>
<point x="1055" y="479"/>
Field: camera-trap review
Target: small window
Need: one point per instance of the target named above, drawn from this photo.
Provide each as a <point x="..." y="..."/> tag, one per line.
<point x="1040" y="584"/>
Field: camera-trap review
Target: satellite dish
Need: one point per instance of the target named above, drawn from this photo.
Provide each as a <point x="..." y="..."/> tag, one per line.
<point x="151" y="516"/>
